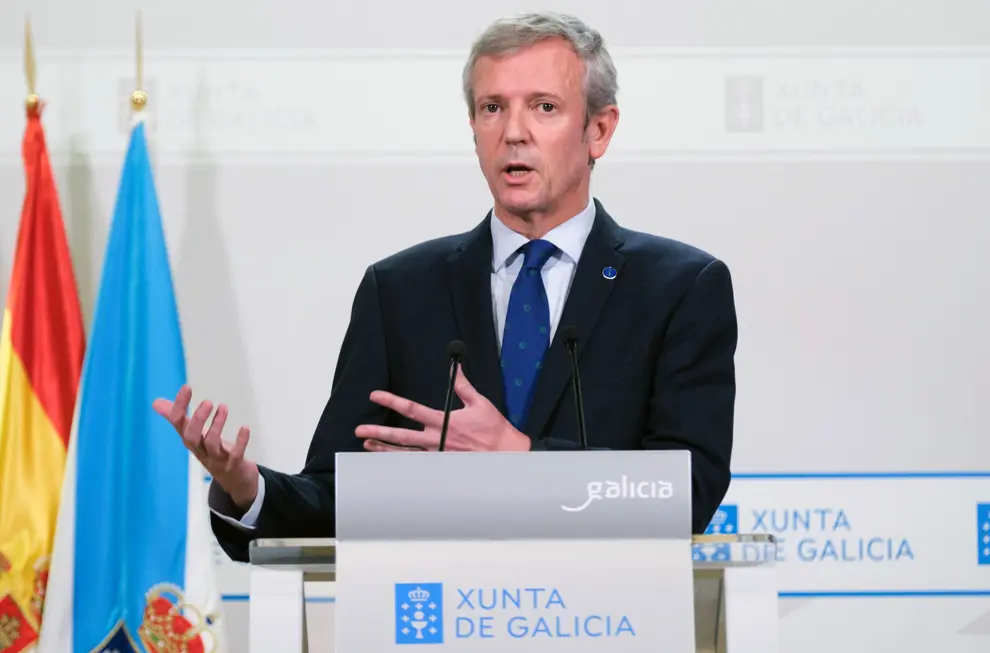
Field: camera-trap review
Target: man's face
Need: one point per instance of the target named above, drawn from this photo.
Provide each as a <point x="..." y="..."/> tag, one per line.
<point x="530" y="134"/>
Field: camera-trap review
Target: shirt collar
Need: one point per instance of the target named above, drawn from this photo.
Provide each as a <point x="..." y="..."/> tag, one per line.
<point x="569" y="237"/>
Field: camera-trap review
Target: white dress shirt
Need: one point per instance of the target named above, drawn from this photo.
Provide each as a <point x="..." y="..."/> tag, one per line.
<point x="558" y="273"/>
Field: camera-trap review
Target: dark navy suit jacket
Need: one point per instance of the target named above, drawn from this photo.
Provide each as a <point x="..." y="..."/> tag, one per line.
<point x="656" y="363"/>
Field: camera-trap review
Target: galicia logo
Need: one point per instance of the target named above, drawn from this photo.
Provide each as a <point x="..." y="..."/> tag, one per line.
<point x="623" y="489"/>
<point x="498" y="612"/>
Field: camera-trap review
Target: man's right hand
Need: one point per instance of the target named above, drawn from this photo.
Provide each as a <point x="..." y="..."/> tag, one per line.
<point x="223" y="460"/>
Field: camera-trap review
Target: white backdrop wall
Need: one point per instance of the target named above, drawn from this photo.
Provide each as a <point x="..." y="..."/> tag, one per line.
<point x="835" y="155"/>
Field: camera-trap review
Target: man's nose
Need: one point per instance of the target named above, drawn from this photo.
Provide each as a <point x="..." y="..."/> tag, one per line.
<point x="516" y="129"/>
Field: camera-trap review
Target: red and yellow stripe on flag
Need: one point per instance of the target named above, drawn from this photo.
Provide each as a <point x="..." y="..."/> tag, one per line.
<point x="41" y="355"/>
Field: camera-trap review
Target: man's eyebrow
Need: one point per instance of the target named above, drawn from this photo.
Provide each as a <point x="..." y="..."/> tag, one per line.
<point x="535" y="95"/>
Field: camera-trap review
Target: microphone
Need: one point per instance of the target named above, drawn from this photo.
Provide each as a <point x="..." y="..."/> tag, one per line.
<point x="455" y="353"/>
<point x="570" y="336"/>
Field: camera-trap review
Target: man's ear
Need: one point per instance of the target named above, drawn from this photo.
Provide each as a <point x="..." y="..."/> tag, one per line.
<point x="600" y="129"/>
<point x="474" y="136"/>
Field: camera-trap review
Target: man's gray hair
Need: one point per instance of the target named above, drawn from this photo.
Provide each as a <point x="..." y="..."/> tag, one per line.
<point x="512" y="33"/>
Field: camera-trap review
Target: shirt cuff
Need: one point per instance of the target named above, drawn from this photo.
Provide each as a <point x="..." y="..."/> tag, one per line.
<point x="220" y="503"/>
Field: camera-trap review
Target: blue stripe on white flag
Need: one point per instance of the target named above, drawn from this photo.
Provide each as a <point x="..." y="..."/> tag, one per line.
<point x="132" y="471"/>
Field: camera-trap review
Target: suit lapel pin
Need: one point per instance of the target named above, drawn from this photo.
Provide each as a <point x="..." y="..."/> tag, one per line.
<point x="609" y="273"/>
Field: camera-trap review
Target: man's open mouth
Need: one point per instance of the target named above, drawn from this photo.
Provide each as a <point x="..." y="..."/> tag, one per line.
<point x="517" y="170"/>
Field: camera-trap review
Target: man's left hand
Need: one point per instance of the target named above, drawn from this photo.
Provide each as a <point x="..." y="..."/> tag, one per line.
<point x="478" y="426"/>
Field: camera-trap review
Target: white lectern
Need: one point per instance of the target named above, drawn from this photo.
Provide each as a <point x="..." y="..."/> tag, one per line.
<point x="562" y="551"/>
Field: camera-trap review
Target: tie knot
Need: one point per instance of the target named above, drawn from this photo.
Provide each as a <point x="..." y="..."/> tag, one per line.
<point x="536" y="253"/>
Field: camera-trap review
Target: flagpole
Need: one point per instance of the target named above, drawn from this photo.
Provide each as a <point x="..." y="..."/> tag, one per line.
<point x="37" y="326"/>
<point x="139" y="98"/>
<point x="30" y="69"/>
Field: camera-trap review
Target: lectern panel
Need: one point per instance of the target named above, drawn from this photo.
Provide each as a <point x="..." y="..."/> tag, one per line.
<point x="559" y="495"/>
<point x="528" y="596"/>
<point x="539" y="552"/>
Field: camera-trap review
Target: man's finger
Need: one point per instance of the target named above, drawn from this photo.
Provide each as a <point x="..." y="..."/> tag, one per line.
<point x="408" y="408"/>
<point x="464" y="389"/>
<point x="180" y="408"/>
<point x="399" y="436"/>
<point x="212" y="439"/>
<point x="163" y="407"/>
<point x="378" y="445"/>
<point x="197" y="421"/>
<point x="240" y="444"/>
<point x="193" y="433"/>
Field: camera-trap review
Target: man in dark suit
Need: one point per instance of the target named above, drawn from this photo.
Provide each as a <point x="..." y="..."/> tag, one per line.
<point x="655" y="317"/>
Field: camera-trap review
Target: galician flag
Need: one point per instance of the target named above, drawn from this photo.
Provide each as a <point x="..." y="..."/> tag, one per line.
<point x="41" y="355"/>
<point x="132" y="570"/>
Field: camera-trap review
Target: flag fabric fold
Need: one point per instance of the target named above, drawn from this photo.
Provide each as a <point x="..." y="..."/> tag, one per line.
<point x="132" y="570"/>
<point x="42" y="346"/>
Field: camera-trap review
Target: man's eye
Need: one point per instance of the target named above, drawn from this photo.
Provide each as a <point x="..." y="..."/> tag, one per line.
<point x="546" y="106"/>
<point x="491" y="108"/>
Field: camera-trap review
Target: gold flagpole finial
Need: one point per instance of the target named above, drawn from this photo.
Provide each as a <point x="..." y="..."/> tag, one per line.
<point x="30" y="71"/>
<point x="139" y="98"/>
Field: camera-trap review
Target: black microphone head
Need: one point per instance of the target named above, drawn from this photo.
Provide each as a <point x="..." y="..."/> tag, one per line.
<point x="569" y="333"/>
<point x="456" y="349"/>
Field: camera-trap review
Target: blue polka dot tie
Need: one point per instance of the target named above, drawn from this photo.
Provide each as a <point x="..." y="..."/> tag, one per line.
<point x="526" y="336"/>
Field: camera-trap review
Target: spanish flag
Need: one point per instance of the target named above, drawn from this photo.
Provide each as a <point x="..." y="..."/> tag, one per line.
<point x="41" y="355"/>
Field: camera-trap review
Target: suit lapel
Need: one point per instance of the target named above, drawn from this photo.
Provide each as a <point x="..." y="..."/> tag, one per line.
<point x="469" y="277"/>
<point x="587" y="298"/>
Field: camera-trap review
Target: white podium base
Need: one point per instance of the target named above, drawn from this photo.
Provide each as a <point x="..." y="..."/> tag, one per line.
<point x="751" y="609"/>
<point x="277" y="611"/>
